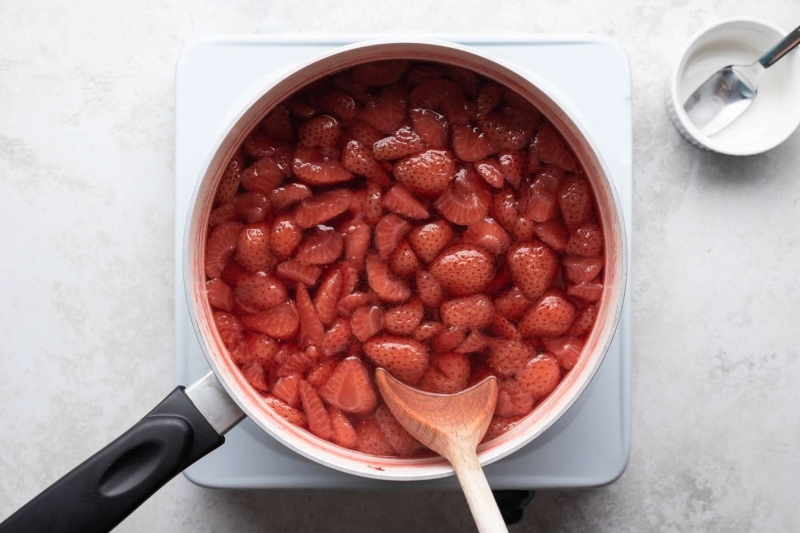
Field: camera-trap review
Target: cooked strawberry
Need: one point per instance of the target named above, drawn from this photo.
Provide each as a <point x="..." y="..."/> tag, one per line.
<point x="581" y="269"/>
<point x="489" y="97"/>
<point x="344" y="434"/>
<point x="388" y="232"/>
<point x="290" y="414"/>
<point x="512" y="165"/>
<point x="488" y="234"/>
<point x="312" y="167"/>
<point x="586" y="241"/>
<point x="463" y="269"/>
<point x="551" y="150"/>
<point x="322" y="246"/>
<point x="252" y="206"/>
<point x="448" y="373"/>
<point x="288" y="390"/>
<point x="429" y="289"/>
<point x="512" y="304"/>
<point x="373" y="206"/>
<point x="366" y="322"/>
<point x="509" y="128"/>
<point x="523" y="230"/>
<point x="427" y="174"/>
<point x="385" y="285"/>
<point x="220" y="247"/>
<point x="466" y="80"/>
<point x="261" y="348"/>
<point x="449" y="339"/>
<point x="444" y="96"/>
<point x="500" y="425"/>
<point x="474" y="342"/>
<point x="263" y="175"/>
<point x="399" y="200"/>
<point x="350" y="388"/>
<point x="311" y="329"/>
<point x="490" y="170"/>
<point x="550" y="316"/>
<point x="337" y="339"/>
<point x="364" y="133"/>
<point x="258" y="291"/>
<point x="357" y="236"/>
<point x="240" y="355"/>
<point x="504" y="209"/>
<point x="327" y="296"/>
<point x="428" y="240"/>
<point x="400" y="439"/>
<point x="468" y="312"/>
<point x="540" y="196"/>
<point x="231" y="274"/>
<point x="351" y="302"/>
<point x="278" y="125"/>
<point x="507" y="357"/>
<point x="403" y="142"/>
<point x="590" y="291"/>
<point x="512" y="400"/>
<point x="422" y="72"/>
<point x="553" y="234"/>
<point x="285" y="236"/>
<point x="323" y="207"/>
<point x="533" y="267"/>
<point x="358" y="203"/>
<point x="298" y="272"/>
<point x="253" y="249"/>
<point x="371" y="439"/>
<point x="404" y="318"/>
<point x="404" y="358"/>
<point x="280" y="321"/>
<point x="358" y="159"/>
<point x="345" y="82"/>
<point x="259" y="144"/>
<point x="319" y="422"/>
<point x="471" y="144"/>
<point x="256" y="376"/>
<point x="229" y="329"/>
<point x="427" y="331"/>
<point x="297" y="362"/>
<point x="386" y="111"/>
<point x="322" y="130"/>
<point x="539" y="377"/>
<point x="403" y="262"/>
<point x="289" y="194"/>
<point x="566" y="349"/>
<point x="338" y="103"/>
<point x="301" y="108"/>
<point x="584" y="321"/>
<point x="430" y="126"/>
<point x="504" y="328"/>
<point x="378" y="73"/>
<point x="575" y="201"/>
<point x="467" y="201"/>
<point x="231" y="179"/>
<point x="219" y="294"/>
<point x="223" y="213"/>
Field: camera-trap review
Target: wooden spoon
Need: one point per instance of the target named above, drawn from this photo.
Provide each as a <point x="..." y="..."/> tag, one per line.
<point x="452" y="425"/>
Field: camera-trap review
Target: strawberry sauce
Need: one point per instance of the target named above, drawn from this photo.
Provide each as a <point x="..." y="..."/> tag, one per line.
<point x="412" y="216"/>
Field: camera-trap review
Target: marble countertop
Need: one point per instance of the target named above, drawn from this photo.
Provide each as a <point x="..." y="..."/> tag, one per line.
<point x="86" y="331"/>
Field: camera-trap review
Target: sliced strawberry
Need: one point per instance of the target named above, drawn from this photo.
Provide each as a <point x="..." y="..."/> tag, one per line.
<point x="471" y="144"/>
<point x="240" y="355"/>
<point x="351" y="302"/>
<point x="429" y="289"/>
<point x="467" y="201"/>
<point x="449" y="339"/>
<point x="322" y="130"/>
<point x="252" y="206"/>
<point x="553" y="234"/>
<point x="428" y="240"/>
<point x="357" y="236"/>
<point x="533" y="267"/>
<point x="373" y="206"/>
<point x="400" y="439"/>
<point x="444" y="96"/>
<point x="263" y="175"/>
<point x="539" y="377"/>
<point x="344" y="434"/>
<point x="231" y="179"/>
<point x="504" y="328"/>
<point x="468" y="312"/>
<point x="491" y="171"/>
<point x="430" y="126"/>
<point x="500" y="425"/>
<point x="322" y="246"/>
<point x="512" y="304"/>
<point x="586" y="241"/>
<point x="223" y="213"/>
<point x="551" y="150"/>
<point x="297" y="362"/>
<point x="550" y="316"/>
<point x="427" y="174"/>
<point x="285" y="236"/>
<point x="319" y="422"/>
<point x="229" y="329"/>
<point x="388" y="233"/>
<point x="289" y="194"/>
<point x="581" y="269"/>
<point x="590" y="291"/>
<point x="300" y="108"/>
<point x="513" y="401"/>
<point x="575" y="201"/>
<point x="312" y="167"/>
<point x="474" y="342"/>
<point x="259" y="144"/>
<point x="386" y="111"/>
<point x="311" y="329"/>
<point x="323" y="207"/>
<point x="385" y="285"/>
<point x="504" y="209"/>
<point x="364" y="133"/>
<point x="566" y="349"/>
<point x="507" y="357"/>
<point x="371" y="439"/>
<point x="358" y="203"/>
<point x="288" y="389"/>
<point x="427" y="331"/>
<point x="584" y="321"/>
<point x="258" y="291"/>
<point x="399" y="200"/>
<point x="404" y="358"/>
<point x="256" y="376"/>
<point x="261" y="348"/>
<point x="488" y="234"/>
<point x="489" y="97"/>
<point x="512" y="165"/>
<point x="365" y="322"/>
<point x="448" y="373"/>
<point x="298" y="272"/>
<point x="403" y="142"/>
<point x="253" y="248"/>
<point x="403" y="261"/>
<point x="219" y="294"/>
<point x="350" y="388"/>
<point x="509" y="128"/>
<point x="463" y="269"/>
<point x="523" y="230"/>
<point x="338" y="103"/>
<point x="422" y="72"/>
<point x="220" y="247"/>
<point x="328" y="294"/>
<point x="358" y="159"/>
<point x="378" y="73"/>
<point x="290" y="414"/>
<point x="404" y="318"/>
<point x="280" y="322"/>
<point x="337" y="338"/>
<point x="232" y="273"/>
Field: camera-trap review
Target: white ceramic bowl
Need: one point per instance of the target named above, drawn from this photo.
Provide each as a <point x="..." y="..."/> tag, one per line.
<point x="775" y="113"/>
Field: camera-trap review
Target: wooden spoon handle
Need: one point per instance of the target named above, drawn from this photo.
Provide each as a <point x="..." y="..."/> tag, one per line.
<point x="479" y="496"/>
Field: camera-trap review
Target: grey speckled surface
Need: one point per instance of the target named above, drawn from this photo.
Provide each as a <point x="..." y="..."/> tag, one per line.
<point x="86" y="156"/>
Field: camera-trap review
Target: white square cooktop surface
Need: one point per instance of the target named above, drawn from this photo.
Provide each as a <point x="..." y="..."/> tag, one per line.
<point x="590" y="444"/>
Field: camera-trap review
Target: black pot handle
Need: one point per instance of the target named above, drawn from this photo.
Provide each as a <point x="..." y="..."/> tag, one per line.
<point x="102" y="491"/>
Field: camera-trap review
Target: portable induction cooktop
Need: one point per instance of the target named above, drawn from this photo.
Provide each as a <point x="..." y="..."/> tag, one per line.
<point x="587" y="447"/>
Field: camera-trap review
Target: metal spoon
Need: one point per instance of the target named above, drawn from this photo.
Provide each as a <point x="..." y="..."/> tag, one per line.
<point x="731" y="90"/>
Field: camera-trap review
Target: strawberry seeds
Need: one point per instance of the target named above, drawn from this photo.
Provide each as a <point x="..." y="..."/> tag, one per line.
<point x="412" y="216"/>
